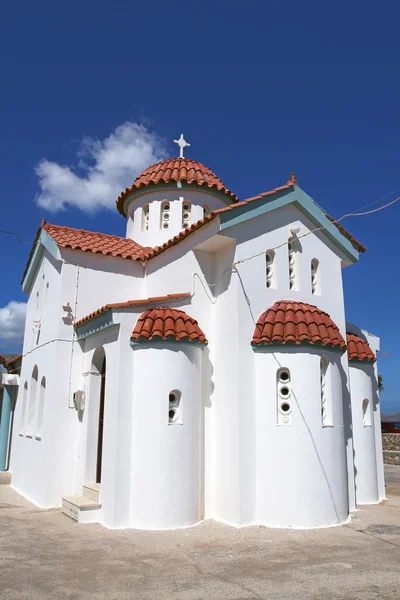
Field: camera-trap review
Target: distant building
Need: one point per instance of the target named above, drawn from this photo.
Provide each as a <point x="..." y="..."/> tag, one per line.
<point x="391" y="423"/>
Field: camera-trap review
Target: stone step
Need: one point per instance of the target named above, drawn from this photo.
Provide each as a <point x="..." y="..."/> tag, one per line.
<point x="82" y="509"/>
<point x="92" y="491"/>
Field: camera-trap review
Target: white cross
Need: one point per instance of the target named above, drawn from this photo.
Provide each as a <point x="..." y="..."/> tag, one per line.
<point x="182" y="144"/>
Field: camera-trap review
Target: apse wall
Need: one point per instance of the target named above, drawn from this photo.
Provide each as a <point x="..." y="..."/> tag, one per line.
<point x="167" y="437"/>
<point x="301" y="479"/>
<point x="361" y="377"/>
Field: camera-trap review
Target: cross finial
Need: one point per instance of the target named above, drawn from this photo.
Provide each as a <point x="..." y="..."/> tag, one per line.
<point x="182" y="143"/>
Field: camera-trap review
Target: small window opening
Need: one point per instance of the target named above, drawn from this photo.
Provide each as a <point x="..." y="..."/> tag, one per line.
<point x="315" y="276"/>
<point x="270" y="269"/>
<point x="284" y="393"/>
<point x="326" y="397"/>
<point x="165" y="214"/>
<point x="292" y="265"/>
<point x="366" y="413"/>
<point x="186" y="214"/>
<point x="206" y="210"/>
<point x="174" y="409"/>
<point x="145" y="217"/>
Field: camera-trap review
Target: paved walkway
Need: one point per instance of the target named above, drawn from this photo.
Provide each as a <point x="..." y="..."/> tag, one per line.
<point x="45" y="555"/>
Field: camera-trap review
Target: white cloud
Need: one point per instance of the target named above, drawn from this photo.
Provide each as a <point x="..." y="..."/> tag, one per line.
<point x="108" y="166"/>
<point x="12" y="321"/>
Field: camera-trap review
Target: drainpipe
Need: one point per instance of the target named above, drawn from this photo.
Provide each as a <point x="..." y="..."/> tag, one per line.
<point x="10" y="383"/>
<point x="5" y="425"/>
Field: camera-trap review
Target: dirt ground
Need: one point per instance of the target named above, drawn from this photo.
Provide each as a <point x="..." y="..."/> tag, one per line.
<point x="44" y="554"/>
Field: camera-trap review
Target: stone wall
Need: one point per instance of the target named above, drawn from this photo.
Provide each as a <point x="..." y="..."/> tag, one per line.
<point x="391" y="448"/>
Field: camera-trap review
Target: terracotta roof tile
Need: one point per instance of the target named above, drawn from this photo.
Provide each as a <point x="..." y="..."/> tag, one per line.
<point x="296" y="322"/>
<point x="163" y="323"/>
<point x="358" y="348"/>
<point x="132" y="304"/>
<point x="3" y="361"/>
<point x="98" y="243"/>
<point x="174" y="170"/>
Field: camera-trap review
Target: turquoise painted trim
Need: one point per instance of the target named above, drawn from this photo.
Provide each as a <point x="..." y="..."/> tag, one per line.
<point x="5" y="424"/>
<point x="276" y="346"/>
<point x="44" y="241"/>
<point x="170" y="340"/>
<point x="281" y="198"/>
<point x="103" y="321"/>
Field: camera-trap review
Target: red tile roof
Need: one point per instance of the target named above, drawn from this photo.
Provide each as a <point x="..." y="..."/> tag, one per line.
<point x="358" y="348"/>
<point x="98" y="243"/>
<point x="173" y="170"/>
<point x="294" y="323"/>
<point x="133" y="304"/>
<point x="167" y="323"/>
<point x="3" y="361"/>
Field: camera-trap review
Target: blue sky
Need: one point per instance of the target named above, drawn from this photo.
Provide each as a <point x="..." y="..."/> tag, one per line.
<point x="259" y="90"/>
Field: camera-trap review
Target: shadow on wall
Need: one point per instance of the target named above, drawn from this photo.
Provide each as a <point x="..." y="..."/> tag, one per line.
<point x="347" y="420"/>
<point x="320" y="462"/>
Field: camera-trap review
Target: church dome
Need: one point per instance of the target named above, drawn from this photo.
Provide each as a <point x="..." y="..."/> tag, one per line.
<point x="176" y="170"/>
<point x="358" y="348"/>
<point x="288" y="322"/>
<point x="167" y="324"/>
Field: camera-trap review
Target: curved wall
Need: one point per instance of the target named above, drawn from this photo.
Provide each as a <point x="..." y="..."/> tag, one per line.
<point x="200" y="201"/>
<point x="301" y="466"/>
<point x="166" y="477"/>
<point x="361" y="377"/>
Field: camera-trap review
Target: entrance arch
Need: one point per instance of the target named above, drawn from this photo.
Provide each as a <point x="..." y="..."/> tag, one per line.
<point x="94" y="452"/>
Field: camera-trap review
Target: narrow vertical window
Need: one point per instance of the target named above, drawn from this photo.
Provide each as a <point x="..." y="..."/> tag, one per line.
<point x="24" y="408"/>
<point x="284" y="395"/>
<point x="186" y="214"/>
<point x="145" y="217"/>
<point x="270" y="269"/>
<point x="42" y="394"/>
<point x="366" y="413"/>
<point x="292" y="265"/>
<point x="165" y="214"/>
<point x="175" y="408"/>
<point x="326" y="399"/>
<point x="206" y="210"/>
<point x="32" y="402"/>
<point x="315" y="282"/>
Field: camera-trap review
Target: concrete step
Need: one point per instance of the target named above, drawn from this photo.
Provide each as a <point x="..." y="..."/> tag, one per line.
<point x="92" y="491"/>
<point x="82" y="509"/>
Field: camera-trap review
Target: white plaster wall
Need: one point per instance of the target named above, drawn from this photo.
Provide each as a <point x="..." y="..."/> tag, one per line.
<point x="156" y="235"/>
<point x="301" y="468"/>
<point x="166" y="458"/>
<point x="366" y="479"/>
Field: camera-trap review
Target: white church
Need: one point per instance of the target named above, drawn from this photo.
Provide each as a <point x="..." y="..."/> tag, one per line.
<point x="200" y="367"/>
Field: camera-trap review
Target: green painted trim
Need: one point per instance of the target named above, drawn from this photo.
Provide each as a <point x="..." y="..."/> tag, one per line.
<point x="99" y="323"/>
<point x="276" y="346"/>
<point x="5" y="420"/>
<point x="45" y="241"/>
<point x="281" y="198"/>
<point x="170" y="340"/>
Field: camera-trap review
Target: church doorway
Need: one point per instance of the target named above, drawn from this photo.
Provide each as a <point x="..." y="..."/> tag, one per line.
<point x="95" y="420"/>
<point x="101" y="421"/>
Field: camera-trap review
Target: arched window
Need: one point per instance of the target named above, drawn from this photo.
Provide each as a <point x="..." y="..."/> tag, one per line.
<point x="186" y="214"/>
<point x="32" y="402"/>
<point x="175" y="408"/>
<point x="315" y="282"/>
<point x="292" y="265"/>
<point x="270" y="269"/>
<point x="326" y="397"/>
<point x="165" y="214"/>
<point x="284" y="395"/>
<point x="24" y="409"/>
<point x="145" y="217"/>
<point x="366" y="412"/>
<point x="206" y="210"/>
<point x="42" y="394"/>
